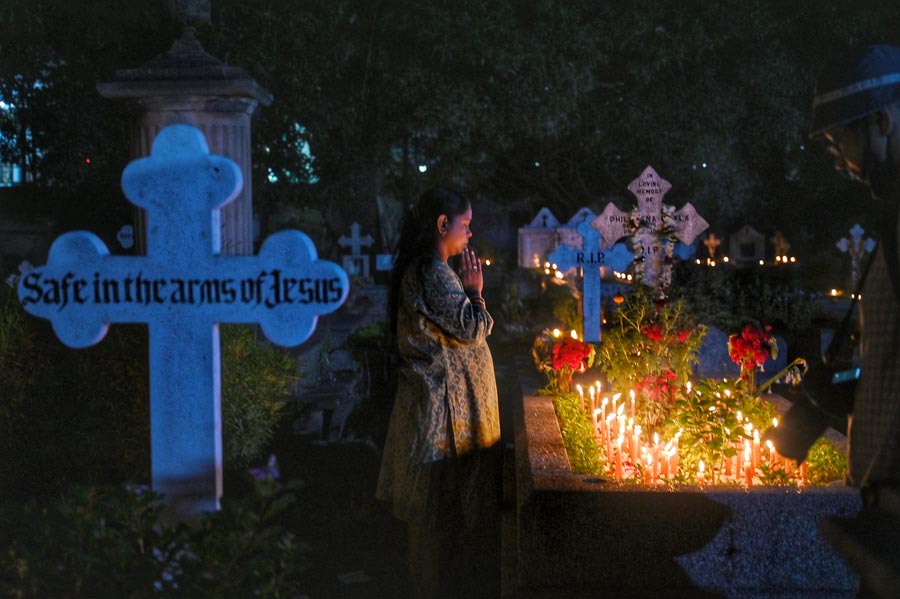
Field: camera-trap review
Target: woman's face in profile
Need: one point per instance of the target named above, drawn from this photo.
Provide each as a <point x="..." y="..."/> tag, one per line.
<point x="458" y="233"/>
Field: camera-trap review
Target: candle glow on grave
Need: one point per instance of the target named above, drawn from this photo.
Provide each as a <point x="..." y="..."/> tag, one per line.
<point x="632" y="455"/>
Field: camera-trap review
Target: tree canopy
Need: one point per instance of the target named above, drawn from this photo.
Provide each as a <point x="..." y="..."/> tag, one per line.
<point x="554" y="104"/>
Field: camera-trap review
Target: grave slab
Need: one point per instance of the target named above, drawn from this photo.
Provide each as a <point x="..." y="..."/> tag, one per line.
<point x="583" y="537"/>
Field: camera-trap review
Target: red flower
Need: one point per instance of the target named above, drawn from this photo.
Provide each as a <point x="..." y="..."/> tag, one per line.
<point x="658" y="387"/>
<point x="653" y="331"/>
<point x="683" y="336"/>
<point x="571" y="353"/>
<point x="752" y="347"/>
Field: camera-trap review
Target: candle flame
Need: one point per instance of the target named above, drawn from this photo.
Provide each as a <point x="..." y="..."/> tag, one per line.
<point x="755" y="436"/>
<point x="656" y="438"/>
<point x="688" y="386"/>
<point x="580" y="389"/>
<point x="774" y="421"/>
<point x="556" y="332"/>
<point x="631" y="393"/>
<point x="701" y="467"/>
<point x="616" y="396"/>
<point x="574" y="334"/>
<point x="770" y="445"/>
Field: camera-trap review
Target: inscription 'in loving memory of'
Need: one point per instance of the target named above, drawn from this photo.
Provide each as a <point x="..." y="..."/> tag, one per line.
<point x="269" y="288"/>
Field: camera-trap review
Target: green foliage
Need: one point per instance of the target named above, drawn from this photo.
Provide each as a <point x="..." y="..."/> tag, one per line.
<point x="827" y="463"/>
<point x="650" y="347"/>
<point x="712" y="419"/>
<point x="563" y="304"/>
<point x="728" y="298"/>
<point x="256" y="382"/>
<point x="578" y="436"/>
<point x="17" y="355"/>
<point x="115" y="542"/>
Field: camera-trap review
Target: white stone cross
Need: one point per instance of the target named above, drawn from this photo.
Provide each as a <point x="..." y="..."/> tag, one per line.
<point x="590" y="257"/>
<point x="183" y="288"/>
<point x="649" y="223"/>
<point x="353" y="261"/>
<point x="857" y="247"/>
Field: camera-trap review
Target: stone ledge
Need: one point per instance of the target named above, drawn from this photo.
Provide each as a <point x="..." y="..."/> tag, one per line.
<point x="580" y="537"/>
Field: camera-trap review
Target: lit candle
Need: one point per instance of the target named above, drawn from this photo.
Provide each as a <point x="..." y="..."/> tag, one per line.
<point x="609" y="447"/>
<point x="631" y="393"/>
<point x="727" y="460"/>
<point x="688" y="387"/>
<point x="595" y="423"/>
<point x="748" y="465"/>
<point x="593" y="398"/>
<point x="603" y="406"/>
<point x="773" y="454"/>
<point x="664" y="464"/>
<point x="648" y="471"/>
<point x="619" y="442"/>
<point x="756" y="452"/>
<point x="701" y="480"/>
<point x="580" y="390"/>
<point x="636" y="441"/>
<point x="655" y="447"/>
<point x="609" y="420"/>
<point x="803" y="479"/>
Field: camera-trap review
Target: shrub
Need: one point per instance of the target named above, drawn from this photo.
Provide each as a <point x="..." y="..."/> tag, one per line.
<point x="116" y="542"/>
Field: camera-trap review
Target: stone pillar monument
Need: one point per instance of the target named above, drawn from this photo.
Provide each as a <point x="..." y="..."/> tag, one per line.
<point x="188" y="85"/>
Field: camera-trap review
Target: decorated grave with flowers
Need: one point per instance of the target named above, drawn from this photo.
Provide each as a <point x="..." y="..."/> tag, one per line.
<point x="635" y="474"/>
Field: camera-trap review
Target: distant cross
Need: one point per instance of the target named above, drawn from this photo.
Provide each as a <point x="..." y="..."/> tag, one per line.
<point x="590" y="258"/>
<point x="780" y="244"/>
<point x="355" y="242"/>
<point x="712" y="244"/>
<point x="649" y="223"/>
<point x="356" y="262"/>
<point x="183" y="288"/>
<point x="857" y="247"/>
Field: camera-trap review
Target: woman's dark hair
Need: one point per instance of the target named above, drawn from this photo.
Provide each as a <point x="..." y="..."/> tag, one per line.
<point x="418" y="238"/>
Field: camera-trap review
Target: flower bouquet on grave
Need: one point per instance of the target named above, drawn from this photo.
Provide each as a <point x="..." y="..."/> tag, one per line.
<point x="559" y="358"/>
<point x="750" y="349"/>
<point x="649" y="347"/>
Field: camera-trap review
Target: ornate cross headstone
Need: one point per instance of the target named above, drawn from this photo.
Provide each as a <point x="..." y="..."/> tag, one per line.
<point x="590" y="258"/>
<point x="857" y="247"/>
<point x="183" y="288"/>
<point x="355" y="261"/>
<point x="649" y="225"/>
